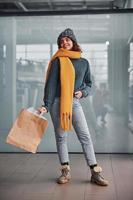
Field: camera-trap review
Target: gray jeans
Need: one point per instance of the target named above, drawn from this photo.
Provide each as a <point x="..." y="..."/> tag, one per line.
<point x="81" y="128"/>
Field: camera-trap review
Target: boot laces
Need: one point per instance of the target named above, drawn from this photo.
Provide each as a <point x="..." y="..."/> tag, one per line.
<point x="64" y="172"/>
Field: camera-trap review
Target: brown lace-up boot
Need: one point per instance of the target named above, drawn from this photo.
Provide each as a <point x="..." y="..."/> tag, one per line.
<point x="65" y="174"/>
<point x="96" y="176"/>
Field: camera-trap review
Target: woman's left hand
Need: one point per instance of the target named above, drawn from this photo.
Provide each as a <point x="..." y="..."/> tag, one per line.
<point x="78" y="94"/>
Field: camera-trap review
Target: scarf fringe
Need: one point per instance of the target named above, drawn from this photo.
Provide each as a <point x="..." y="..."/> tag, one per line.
<point x="66" y="121"/>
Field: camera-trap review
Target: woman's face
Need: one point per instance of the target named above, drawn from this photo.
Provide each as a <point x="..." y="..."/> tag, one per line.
<point x="66" y="43"/>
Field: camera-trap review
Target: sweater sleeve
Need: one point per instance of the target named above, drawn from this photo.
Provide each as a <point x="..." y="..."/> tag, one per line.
<point x="87" y="82"/>
<point x="51" y="85"/>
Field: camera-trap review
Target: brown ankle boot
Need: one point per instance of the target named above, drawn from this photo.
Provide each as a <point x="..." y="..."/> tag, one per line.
<point x="97" y="178"/>
<point x="65" y="174"/>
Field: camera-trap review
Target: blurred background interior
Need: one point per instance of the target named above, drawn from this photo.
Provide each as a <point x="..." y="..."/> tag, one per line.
<point x="28" y="42"/>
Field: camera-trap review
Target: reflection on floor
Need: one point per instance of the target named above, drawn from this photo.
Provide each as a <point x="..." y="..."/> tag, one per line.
<point x="33" y="177"/>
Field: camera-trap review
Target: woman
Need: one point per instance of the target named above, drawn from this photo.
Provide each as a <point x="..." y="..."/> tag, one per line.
<point x="68" y="80"/>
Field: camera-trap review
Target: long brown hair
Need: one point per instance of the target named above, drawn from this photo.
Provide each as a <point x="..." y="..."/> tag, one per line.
<point x="76" y="47"/>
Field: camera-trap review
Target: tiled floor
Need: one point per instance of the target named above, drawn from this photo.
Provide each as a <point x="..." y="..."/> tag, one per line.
<point x="33" y="177"/>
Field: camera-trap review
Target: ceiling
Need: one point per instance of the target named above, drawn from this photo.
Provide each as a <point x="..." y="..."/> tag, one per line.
<point x="59" y="5"/>
<point x="45" y="29"/>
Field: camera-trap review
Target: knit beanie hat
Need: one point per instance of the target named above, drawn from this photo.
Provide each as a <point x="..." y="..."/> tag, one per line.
<point x="67" y="33"/>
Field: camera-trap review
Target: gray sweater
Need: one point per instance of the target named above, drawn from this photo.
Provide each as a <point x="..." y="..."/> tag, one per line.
<point x="82" y="80"/>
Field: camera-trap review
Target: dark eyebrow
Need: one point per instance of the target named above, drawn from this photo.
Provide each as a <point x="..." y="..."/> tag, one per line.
<point x="67" y="38"/>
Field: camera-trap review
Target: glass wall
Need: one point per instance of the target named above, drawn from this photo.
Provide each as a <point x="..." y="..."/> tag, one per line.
<point x="27" y="44"/>
<point x="130" y="70"/>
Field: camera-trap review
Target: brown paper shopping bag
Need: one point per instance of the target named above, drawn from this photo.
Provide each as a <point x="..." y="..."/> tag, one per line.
<point x="27" y="131"/>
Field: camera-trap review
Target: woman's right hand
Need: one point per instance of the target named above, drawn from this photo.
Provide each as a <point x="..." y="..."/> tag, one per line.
<point x="42" y="110"/>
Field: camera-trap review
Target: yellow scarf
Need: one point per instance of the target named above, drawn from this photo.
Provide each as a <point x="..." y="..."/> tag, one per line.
<point x="67" y="77"/>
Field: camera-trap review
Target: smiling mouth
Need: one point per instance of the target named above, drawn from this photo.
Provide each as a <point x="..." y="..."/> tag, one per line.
<point x="66" y="45"/>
